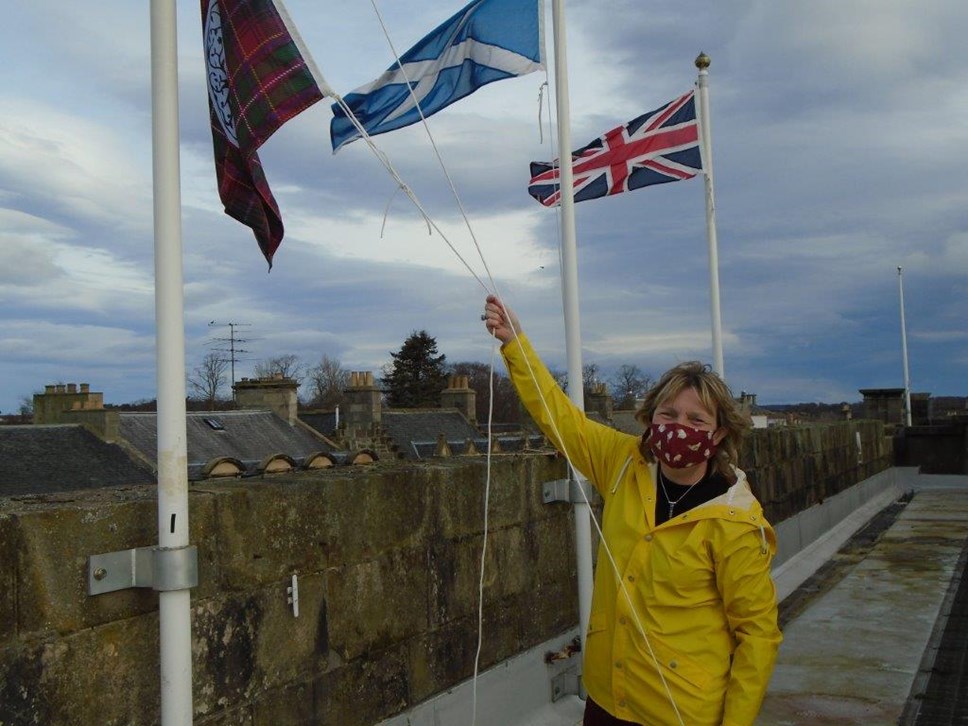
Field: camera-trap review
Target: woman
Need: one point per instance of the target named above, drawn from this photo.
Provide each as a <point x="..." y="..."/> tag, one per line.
<point x="683" y="629"/>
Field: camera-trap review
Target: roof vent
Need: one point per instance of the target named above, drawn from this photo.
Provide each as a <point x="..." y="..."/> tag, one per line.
<point x="214" y="423"/>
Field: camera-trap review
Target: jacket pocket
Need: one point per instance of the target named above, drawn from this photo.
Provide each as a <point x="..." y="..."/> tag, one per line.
<point x="675" y="665"/>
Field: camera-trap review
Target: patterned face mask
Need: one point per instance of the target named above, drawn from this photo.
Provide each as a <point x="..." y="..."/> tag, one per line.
<point x="680" y="446"/>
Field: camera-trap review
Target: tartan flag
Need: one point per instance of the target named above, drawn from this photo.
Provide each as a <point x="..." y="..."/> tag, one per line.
<point x="258" y="79"/>
<point x="657" y="147"/>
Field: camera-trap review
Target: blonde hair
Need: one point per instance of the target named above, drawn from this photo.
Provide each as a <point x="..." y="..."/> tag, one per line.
<point x="715" y="396"/>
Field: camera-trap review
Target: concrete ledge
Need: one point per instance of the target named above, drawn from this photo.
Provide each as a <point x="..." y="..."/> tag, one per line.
<point x="808" y="539"/>
<point x="517" y="691"/>
<point x="924" y="482"/>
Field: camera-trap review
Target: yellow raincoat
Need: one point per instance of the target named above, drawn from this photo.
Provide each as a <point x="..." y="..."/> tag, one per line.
<point x="699" y="585"/>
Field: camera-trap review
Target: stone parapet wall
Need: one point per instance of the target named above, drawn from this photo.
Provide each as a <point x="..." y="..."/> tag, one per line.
<point x="387" y="558"/>
<point x="793" y="468"/>
<point x="388" y="566"/>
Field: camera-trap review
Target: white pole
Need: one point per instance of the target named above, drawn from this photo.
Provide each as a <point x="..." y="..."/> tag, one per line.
<point x="569" y="293"/>
<point x="702" y="63"/>
<point x="174" y="606"/>
<point x="904" y="353"/>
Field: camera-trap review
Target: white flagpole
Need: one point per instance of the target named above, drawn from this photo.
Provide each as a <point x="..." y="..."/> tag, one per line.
<point x="174" y="606"/>
<point x="702" y="63"/>
<point x="904" y="353"/>
<point x="569" y="294"/>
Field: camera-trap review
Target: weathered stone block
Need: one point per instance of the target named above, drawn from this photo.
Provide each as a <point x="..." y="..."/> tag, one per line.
<point x="363" y="692"/>
<point x="245" y="645"/>
<point x="266" y="531"/>
<point x="455" y="569"/>
<point x="57" y="541"/>
<point x="21" y="677"/>
<point x="288" y="706"/>
<point x="372" y="605"/>
<point x="240" y="716"/>
<point x="59" y="537"/>
<point x="377" y="510"/>
<point x="442" y="657"/>
<point x="224" y="634"/>
<point x="105" y="675"/>
<point x="515" y="494"/>
<point x="549" y="554"/>
<point x="9" y="557"/>
<point x="288" y="647"/>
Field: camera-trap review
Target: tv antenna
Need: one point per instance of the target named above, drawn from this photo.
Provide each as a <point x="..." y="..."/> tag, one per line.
<point x="233" y="341"/>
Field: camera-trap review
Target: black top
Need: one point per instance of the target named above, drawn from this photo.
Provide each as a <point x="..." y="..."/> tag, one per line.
<point x="684" y="498"/>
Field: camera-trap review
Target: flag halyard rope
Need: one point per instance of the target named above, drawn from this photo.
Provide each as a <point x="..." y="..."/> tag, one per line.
<point x="493" y="289"/>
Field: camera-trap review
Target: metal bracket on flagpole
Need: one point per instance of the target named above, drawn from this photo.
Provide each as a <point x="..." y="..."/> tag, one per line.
<point x="160" y="568"/>
<point x="567" y="490"/>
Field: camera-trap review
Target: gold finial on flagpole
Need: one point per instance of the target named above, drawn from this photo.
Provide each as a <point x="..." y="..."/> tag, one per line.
<point x="702" y="61"/>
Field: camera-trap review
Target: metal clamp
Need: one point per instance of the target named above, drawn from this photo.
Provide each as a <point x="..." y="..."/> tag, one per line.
<point x="160" y="568"/>
<point x="567" y="490"/>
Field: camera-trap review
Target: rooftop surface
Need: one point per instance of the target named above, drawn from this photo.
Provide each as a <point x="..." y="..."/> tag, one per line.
<point x="862" y="636"/>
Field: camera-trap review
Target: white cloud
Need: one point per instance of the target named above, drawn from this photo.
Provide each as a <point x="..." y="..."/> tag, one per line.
<point x="46" y="270"/>
<point x="73" y="346"/>
<point x="504" y="242"/>
<point x="839" y="134"/>
<point x="74" y="167"/>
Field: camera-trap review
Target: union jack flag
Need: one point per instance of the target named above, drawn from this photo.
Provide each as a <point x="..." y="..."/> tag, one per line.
<point x="657" y="147"/>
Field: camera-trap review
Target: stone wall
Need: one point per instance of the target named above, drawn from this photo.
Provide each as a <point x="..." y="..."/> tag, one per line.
<point x="791" y="469"/>
<point x="938" y="449"/>
<point x="388" y="564"/>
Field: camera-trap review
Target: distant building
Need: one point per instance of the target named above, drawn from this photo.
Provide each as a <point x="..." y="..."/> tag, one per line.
<point x="888" y="405"/>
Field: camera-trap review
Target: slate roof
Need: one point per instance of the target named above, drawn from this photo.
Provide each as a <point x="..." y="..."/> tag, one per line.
<point x="61" y="458"/>
<point x="247" y="436"/>
<point x="322" y="421"/>
<point x="624" y="420"/>
<point x="415" y="432"/>
<point x="422" y="426"/>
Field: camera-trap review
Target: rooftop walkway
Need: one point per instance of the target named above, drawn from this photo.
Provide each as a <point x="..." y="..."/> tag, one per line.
<point x="863" y="633"/>
<point x="867" y="582"/>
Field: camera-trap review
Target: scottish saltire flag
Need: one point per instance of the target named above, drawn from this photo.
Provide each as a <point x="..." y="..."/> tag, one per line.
<point x="657" y="147"/>
<point x="258" y="79"/>
<point x="487" y="41"/>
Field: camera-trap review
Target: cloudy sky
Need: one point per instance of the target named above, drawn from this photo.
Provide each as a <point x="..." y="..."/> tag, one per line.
<point x="840" y="140"/>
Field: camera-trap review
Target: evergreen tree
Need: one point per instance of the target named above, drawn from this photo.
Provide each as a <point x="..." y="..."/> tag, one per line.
<point x="417" y="375"/>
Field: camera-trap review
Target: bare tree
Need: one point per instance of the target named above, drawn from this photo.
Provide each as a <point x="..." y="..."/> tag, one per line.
<point x="561" y="378"/>
<point x="207" y="379"/>
<point x="327" y="381"/>
<point x="628" y="385"/>
<point x="288" y="366"/>
<point x="589" y="377"/>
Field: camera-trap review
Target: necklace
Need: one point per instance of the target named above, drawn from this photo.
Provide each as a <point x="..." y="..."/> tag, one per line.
<point x="672" y="504"/>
